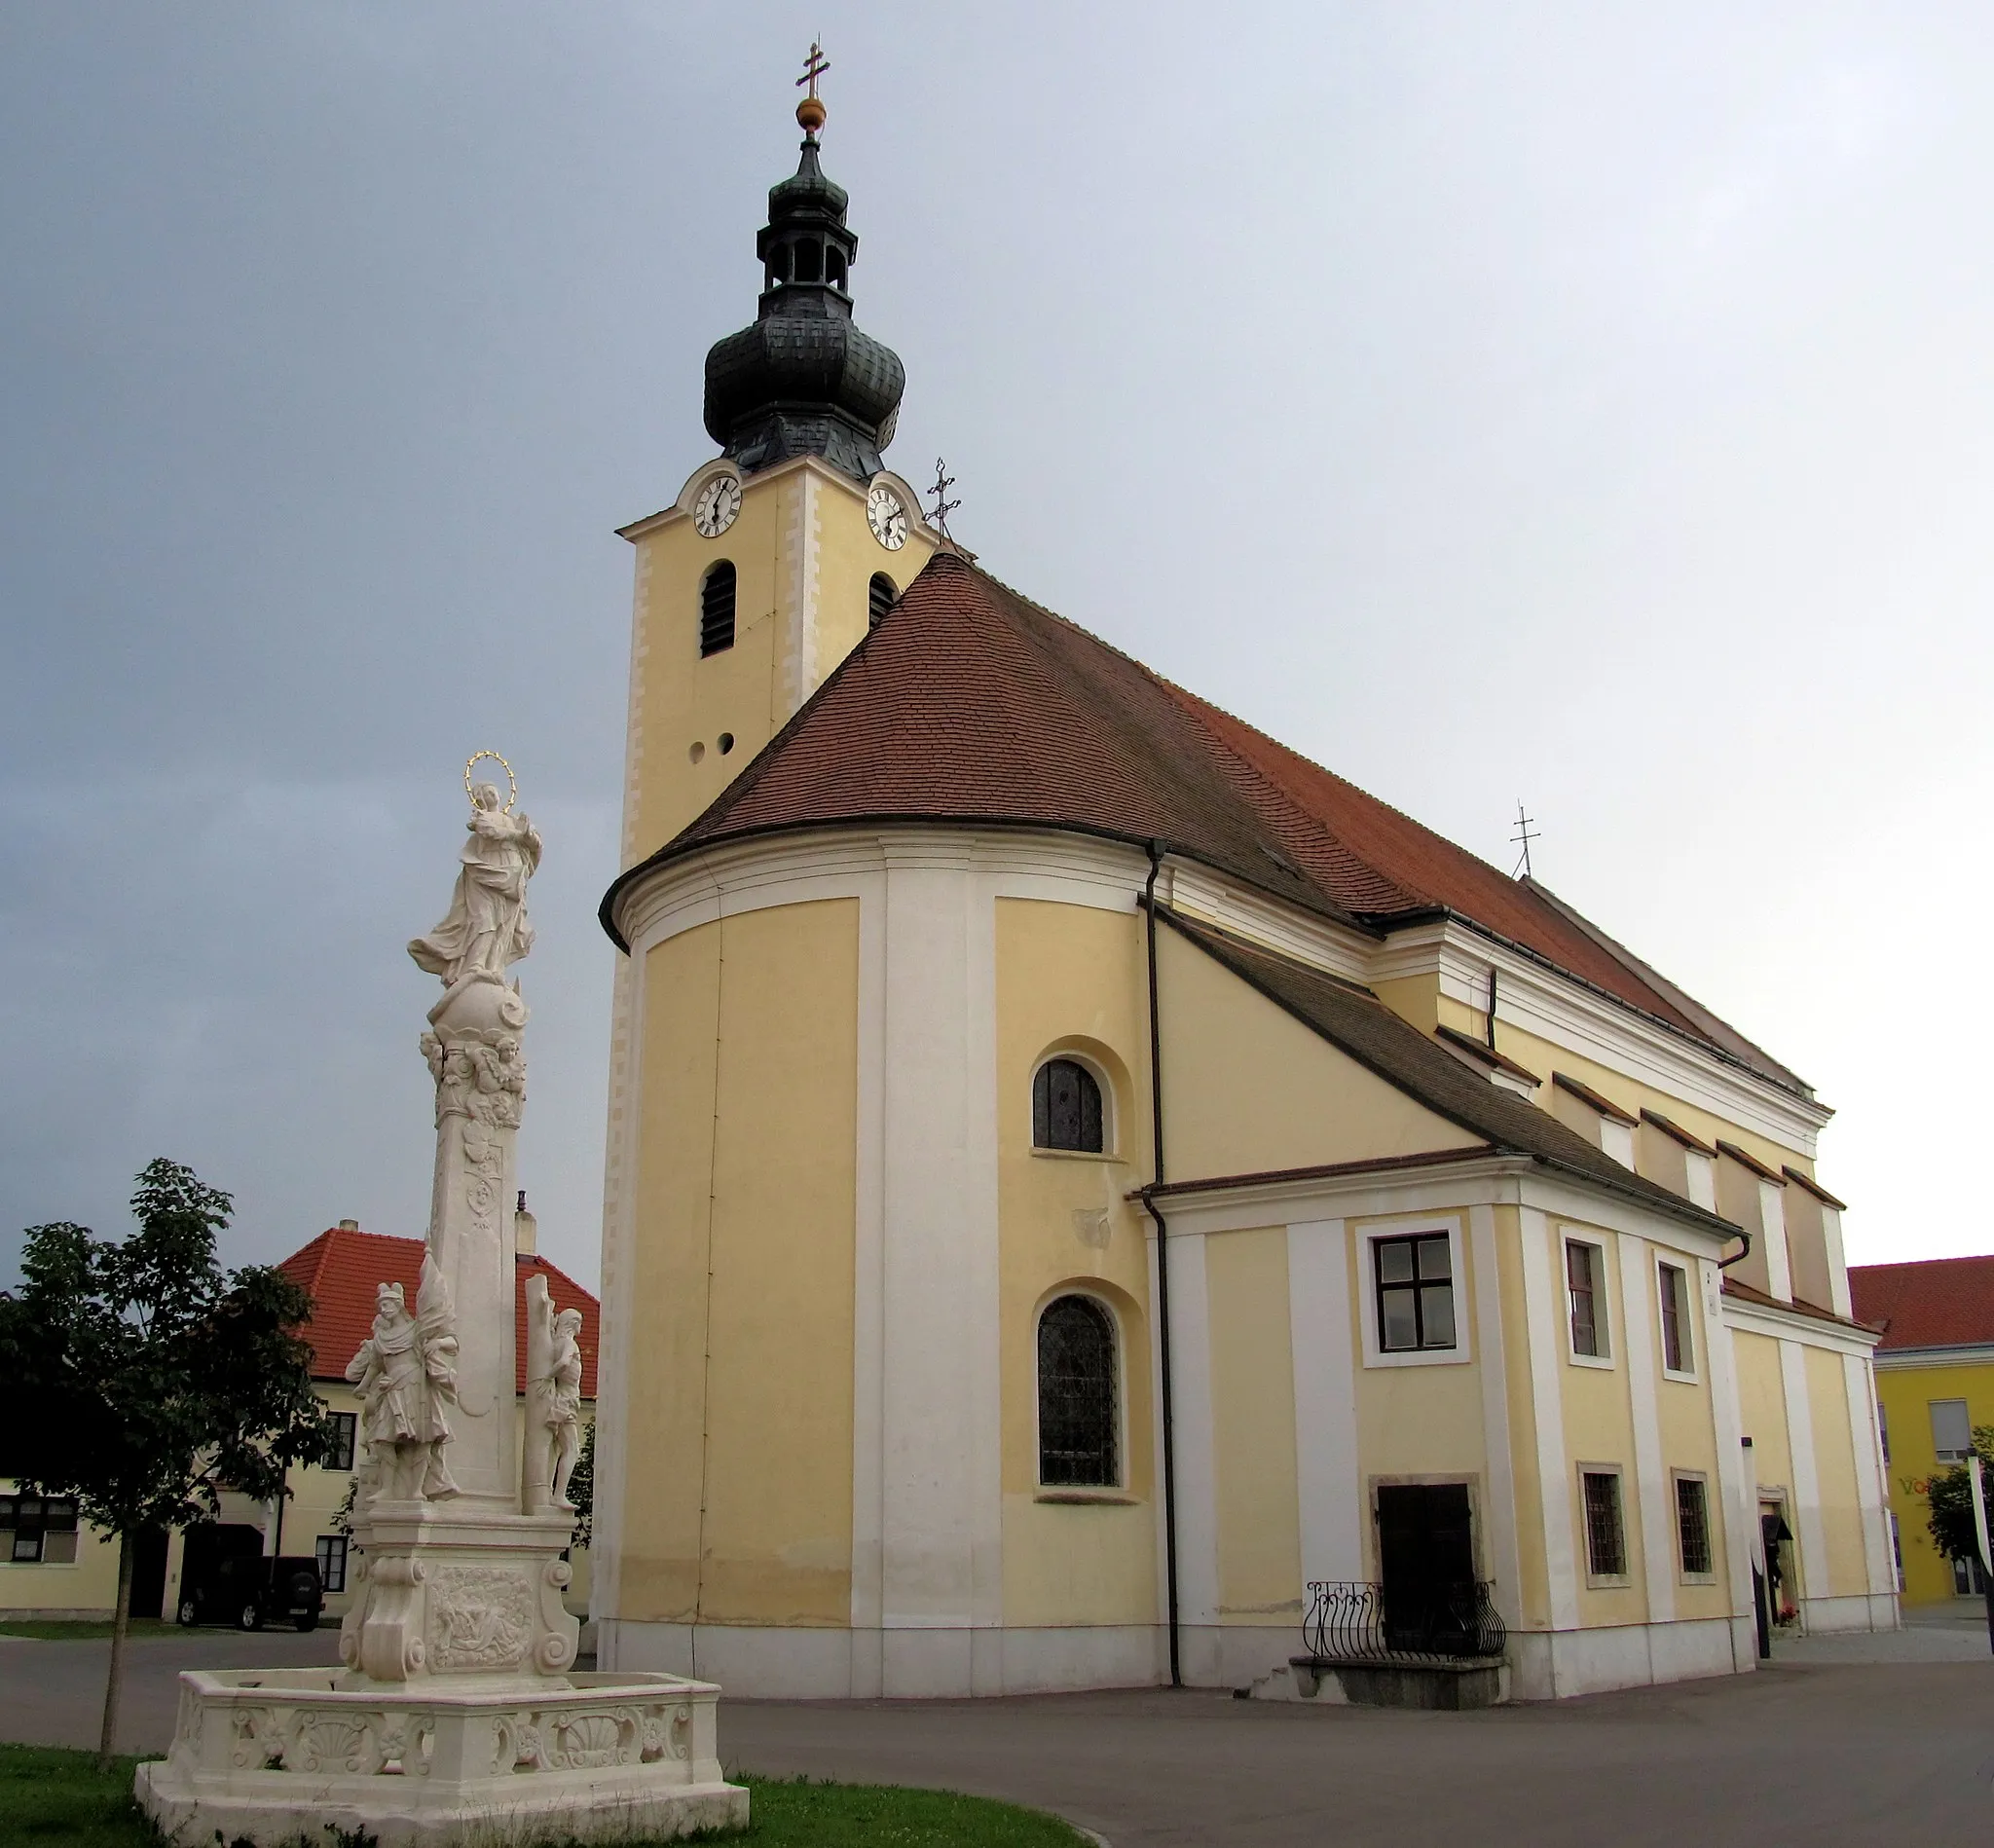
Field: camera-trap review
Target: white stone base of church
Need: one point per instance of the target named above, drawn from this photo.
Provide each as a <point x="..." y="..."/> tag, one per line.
<point x="943" y="1664"/>
<point x="270" y="1756"/>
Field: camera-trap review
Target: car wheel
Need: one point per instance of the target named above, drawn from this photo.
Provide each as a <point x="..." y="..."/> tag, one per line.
<point x="190" y="1612"/>
<point x="251" y="1617"/>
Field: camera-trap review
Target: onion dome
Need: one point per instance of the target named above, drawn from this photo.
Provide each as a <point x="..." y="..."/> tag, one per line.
<point x="803" y="380"/>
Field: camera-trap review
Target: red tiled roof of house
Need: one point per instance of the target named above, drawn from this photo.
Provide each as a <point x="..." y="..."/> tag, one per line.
<point x="342" y="1267"/>
<point x="967" y="702"/>
<point x="1939" y="1302"/>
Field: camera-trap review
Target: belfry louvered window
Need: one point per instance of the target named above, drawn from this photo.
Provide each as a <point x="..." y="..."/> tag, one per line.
<point x="716" y="609"/>
<point x="1079" y="1404"/>
<point x="880" y="596"/>
<point x="1066" y="1107"/>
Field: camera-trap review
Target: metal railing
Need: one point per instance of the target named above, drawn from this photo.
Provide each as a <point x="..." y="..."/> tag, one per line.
<point x="1350" y="1621"/>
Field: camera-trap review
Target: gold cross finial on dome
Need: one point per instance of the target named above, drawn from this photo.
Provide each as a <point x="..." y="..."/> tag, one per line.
<point x="810" y="112"/>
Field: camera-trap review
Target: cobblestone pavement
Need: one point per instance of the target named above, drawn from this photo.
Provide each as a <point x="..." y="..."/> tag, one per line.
<point x="1895" y="1751"/>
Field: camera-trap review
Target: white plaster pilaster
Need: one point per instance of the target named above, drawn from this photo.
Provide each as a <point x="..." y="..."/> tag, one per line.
<point x="1542" y="1302"/>
<point x="1772" y="1219"/>
<point x="1643" y="1382"/>
<point x="1805" y="1487"/>
<point x="1837" y="1271"/>
<point x="1197" y="1537"/>
<point x="1329" y="1493"/>
<point x="1873" y="1490"/>
<point x="869" y="1357"/>
<point x="1737" y="1480"/>
<point x="613" y="1359"/>
<point x="1498" y="1524"/>
<point x="803" y="548"/>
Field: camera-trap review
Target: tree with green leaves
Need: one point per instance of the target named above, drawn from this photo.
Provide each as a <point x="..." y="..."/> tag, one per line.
<point x="144" y="1380"/>
<point x="1949" y="1501"/>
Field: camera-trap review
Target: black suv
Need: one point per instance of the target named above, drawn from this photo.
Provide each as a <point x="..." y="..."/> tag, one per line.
<point x="250" y="1591"/>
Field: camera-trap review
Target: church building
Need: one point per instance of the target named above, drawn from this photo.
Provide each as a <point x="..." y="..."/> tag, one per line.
<point x="1089" y="1188"/>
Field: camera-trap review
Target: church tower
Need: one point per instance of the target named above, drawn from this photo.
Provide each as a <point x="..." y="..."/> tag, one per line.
<point x="766" y="571"/>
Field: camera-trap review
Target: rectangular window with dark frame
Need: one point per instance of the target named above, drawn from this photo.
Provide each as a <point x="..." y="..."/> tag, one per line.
<point x="1883" y="1429"/>
<point x="1606" y="1537"/>
<point x="332" y="1561"/>
<point x="37" y="1531"/>
<point x="345" y="1424"/>
<point x="1582" y="1278"/>
<point x="1692" y="1525"/>
<point x="1415" y="1293"/>
<point x="1679" y="1354"/>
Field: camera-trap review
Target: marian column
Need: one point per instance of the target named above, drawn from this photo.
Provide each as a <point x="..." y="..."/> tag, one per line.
<point x="463" y="1568"/>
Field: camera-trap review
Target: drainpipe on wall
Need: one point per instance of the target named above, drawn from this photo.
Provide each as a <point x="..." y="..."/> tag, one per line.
<point x="1724" y="1264"/>
<point x="1155" y="1112"/>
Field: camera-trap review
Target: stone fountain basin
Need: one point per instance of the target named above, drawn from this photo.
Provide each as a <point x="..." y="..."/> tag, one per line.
<point x="270" y="1755"/>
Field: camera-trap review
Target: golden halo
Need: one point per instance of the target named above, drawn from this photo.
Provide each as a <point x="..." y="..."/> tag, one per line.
<point x="511" y="782"/>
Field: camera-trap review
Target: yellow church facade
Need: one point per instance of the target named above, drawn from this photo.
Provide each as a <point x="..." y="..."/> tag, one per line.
<point x="1080" y="1176"/>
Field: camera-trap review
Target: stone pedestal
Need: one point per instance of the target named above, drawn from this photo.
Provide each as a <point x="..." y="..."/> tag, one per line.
<point x="275" y="1754"/>
<point x="457" y="1718"/>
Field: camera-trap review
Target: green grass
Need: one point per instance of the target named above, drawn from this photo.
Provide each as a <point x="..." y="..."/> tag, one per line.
<point x="49" y="1796"/>
<point x="82" y="1629"/>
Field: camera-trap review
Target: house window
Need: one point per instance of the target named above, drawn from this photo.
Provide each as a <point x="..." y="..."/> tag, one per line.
<point x="1679" y="1353"/>
<point x="343" y="1426"/>
<point x="1605" y="1537"/>
<point x="1967" y="1578"/>
<point x="1079" y="1404"/>
<point x="1692" y="1526"/>
<point x="1584" y="1273"/>
<point x="880" y="595"/>
<point x="716" y="609"/>
<point x="37" y="1531"/>
<point x="1066" y="1107"/>
<point x="1883" y="1429"/>
<point x="1952" y="1436"/>
<point x="332" y="1561"/>
<point x="1897" y="1552"/>
<point x="1415" y="1292"/>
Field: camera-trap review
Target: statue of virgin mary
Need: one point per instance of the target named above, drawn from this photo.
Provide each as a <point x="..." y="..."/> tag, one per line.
<point x="487" y="928"/>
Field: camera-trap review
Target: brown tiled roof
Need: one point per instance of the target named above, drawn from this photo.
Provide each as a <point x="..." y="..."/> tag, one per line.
<point x="1939" y="1302"/>
<point x="1745" y="1292"/>
<point x="342" y="1268"/>
<point x="1814" y="1187"/>
<point x="1673" y="1130"/>
<point x="1486" y="1054"/>
<point x="970" y="703"/>
<point x="1355" y="1020"/>
<point x="1746" y="1158"/>
<point x="1590" y="1097"/>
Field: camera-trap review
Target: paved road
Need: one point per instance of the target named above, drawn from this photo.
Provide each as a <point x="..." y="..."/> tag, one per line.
<point x="1881" y="1753"/>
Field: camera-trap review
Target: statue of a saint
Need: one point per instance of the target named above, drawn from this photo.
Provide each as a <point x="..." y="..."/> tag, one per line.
<point x="553" y="1399"/>
<point x="406" y="1377"/>
<point x="487" y="926"/>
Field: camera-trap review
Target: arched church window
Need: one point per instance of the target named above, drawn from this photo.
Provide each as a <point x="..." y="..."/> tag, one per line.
<point x="880" y="594"/>
<point x="1079" y="1404"/>
<point x="1066" y="1107"/>
<point x="809" y="263"/>
<point x="717" y="609"/>
<point x="779" y="264"/>
<point x="834" y="268"/>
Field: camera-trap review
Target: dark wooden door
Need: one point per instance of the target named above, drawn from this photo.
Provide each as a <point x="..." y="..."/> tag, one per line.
<point x="1426" y="1560"/>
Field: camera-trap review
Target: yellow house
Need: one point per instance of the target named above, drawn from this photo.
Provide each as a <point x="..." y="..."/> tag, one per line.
<point x="54" y="1567"/>
<point x="1934" y="1385"/>
<point x="1089" y="1188"/>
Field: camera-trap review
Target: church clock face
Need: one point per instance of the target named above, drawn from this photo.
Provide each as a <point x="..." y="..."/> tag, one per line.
<point x="887" y="517"/>
<point x="719" y="500"/>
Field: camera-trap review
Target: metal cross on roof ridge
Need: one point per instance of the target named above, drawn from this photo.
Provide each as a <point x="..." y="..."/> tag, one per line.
<point x="814" y="66"/>
<point x="938" y="515"/>
<point x="1523" y="835"/>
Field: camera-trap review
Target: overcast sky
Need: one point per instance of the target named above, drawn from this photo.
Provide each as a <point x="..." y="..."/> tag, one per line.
<point x="1587" y="403"/>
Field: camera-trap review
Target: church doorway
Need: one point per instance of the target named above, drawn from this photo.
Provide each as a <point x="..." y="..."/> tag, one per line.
<point x="1426" y="1566"/>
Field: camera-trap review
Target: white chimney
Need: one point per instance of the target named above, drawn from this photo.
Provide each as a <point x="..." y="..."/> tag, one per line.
<point x="525" y="1229"/>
